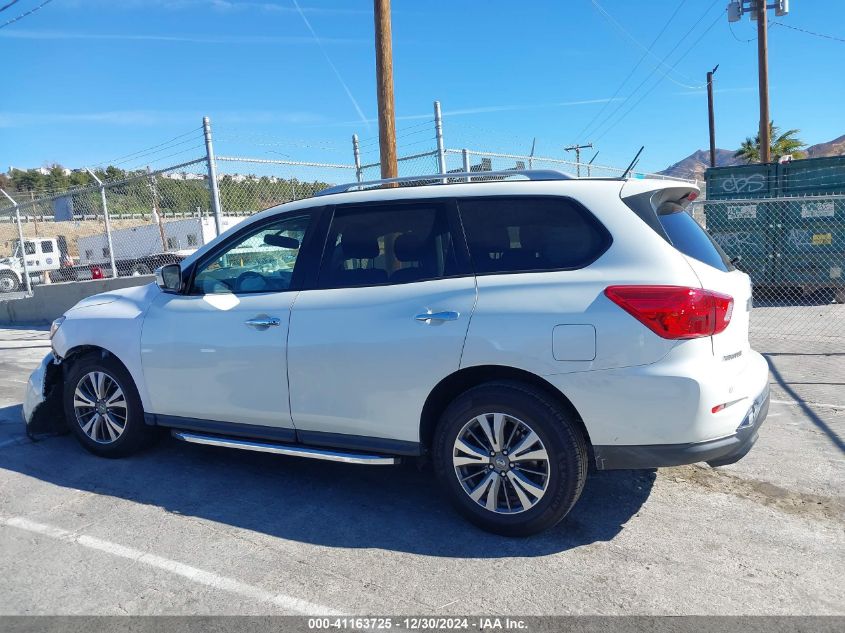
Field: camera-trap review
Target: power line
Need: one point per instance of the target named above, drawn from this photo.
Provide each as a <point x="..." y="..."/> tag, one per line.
<point x="23" y="15"/>
<point x="4" y="7"/>
<point x="630" y="74"/>
<point x="657" y="83"/>
<point x="622" y="104"/>
<point x="737" y="38"/>
<point x="661" y="62"/>
<point x="795" y="28"/>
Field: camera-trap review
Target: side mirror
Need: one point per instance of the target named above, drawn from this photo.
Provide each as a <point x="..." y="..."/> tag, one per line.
<point x="169" y="278"/>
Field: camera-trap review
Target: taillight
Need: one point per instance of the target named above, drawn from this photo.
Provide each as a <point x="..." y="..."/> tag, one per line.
<point x="675" y="312"/>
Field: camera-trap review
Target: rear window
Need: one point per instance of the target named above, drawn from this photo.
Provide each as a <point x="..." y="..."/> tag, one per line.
<point x="523" y="234"/>
<point x="687" y="236"/>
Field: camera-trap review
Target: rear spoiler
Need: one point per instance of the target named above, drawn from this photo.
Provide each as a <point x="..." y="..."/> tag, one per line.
<point x="652" y="198"/>
<point x="658" y="192"/>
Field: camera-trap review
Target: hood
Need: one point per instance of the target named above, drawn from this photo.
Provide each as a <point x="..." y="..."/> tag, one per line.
<point x="134" y="298"/>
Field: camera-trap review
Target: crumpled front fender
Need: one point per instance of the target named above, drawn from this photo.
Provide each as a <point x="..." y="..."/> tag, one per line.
<point x="42" y="405"/>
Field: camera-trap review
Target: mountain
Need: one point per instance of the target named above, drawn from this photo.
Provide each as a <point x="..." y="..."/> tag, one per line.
<point x="694" y="165"/>
<point x="836" y="147"/>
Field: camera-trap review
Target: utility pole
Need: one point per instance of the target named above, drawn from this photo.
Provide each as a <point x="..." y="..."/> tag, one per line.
<point x="578" y="149"/>
<point x="712" y="116"/>
<point x="757" y="9"/>
<point x="384" y="90"/>
<point x="590" y="165"/>
<point x="763" y="80"/>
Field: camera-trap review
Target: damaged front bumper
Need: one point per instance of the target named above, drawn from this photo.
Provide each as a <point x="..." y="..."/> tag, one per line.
<point x="42" y="401"/>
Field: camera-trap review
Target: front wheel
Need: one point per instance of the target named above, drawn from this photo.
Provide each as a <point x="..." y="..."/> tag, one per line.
<point x="511" y="459"/>
<point x="103" y="408"/>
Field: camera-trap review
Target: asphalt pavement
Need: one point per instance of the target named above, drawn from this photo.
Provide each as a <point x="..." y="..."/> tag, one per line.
<point x="184" y="529"/>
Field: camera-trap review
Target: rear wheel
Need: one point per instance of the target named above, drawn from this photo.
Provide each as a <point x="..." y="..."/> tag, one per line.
<point x="8" y="282"/>
<point x="103" y="408"/>
<point x="512" y="461"/>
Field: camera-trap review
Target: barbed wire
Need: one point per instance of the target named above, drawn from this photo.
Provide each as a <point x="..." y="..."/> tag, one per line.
<point x="114" y="161"/>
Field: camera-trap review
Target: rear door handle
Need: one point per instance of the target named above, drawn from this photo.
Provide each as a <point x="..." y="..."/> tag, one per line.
<point x="263" y="322"/>
<point x="430" y="317"/>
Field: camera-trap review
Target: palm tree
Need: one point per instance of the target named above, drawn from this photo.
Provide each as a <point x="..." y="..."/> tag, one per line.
<point x="781" y="145"/>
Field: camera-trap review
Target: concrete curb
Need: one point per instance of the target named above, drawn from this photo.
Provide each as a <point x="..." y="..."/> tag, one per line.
<point x="52" y="300"/>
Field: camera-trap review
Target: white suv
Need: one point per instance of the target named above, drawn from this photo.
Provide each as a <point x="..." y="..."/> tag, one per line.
<point x="514" y="331"/>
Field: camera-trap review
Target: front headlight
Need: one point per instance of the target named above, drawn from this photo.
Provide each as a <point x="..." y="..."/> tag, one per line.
<point x="55" y="326"/>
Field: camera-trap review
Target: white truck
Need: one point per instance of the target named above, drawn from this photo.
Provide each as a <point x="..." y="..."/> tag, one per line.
<point x="43" y="255"/>
<point x="138" y="251"/>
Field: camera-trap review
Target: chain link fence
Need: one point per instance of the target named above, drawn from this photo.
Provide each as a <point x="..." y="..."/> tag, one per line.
<point x="127" y="226"/>
<point x="794" y="251"/>
<point x="793" y="248"/>
<point x="249" y="185"/>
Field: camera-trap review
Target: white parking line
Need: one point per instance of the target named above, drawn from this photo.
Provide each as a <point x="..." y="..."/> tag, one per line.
<point x="795" y="403"/>
<point x="194" y="574"/>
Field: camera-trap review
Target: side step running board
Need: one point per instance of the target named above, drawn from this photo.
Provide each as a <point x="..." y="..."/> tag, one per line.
<point x="285" y="449"/>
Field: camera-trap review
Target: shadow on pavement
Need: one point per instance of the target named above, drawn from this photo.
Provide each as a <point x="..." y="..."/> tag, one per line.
<point x="336" y="505"/>
<point x="808" y="411"/>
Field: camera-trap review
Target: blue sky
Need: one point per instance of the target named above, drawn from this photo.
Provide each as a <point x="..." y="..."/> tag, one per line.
<point x="87" y="81"/>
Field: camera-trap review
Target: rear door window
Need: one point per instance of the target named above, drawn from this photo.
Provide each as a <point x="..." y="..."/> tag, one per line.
<point x="687" y="236"/>
<point x="380" y="244"/>
<point x="527" y="233"/>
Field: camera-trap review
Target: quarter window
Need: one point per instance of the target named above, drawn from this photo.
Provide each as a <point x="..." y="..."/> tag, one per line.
<point x="260" y="261"/>
<point x="521" y="234"/>
<point x="384" y="244"/>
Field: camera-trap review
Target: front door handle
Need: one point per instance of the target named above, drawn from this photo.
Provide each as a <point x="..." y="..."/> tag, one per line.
<point x="430" y="317"/>
<point x="263" y="322"/>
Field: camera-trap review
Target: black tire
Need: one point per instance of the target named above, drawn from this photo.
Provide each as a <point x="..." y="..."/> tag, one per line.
<point x="136" y="435"/>
<point x="564" y="442"/>
<point x="10" y="282"/>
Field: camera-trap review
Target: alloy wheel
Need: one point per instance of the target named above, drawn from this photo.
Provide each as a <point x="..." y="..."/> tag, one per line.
<point x="501" y="463"/>
<point x="100" y="407"/>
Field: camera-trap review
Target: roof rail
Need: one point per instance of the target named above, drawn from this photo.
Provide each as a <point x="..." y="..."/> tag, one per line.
<point x="450" y="178"/>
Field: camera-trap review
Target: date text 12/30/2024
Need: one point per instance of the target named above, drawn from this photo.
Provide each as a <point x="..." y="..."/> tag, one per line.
<point x="418" y="623"/>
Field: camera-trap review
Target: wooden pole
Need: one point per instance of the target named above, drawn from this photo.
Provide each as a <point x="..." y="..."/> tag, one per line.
<point x="384" y="90"/>
<point x="763" y="76"/>
<point x="711" y="117"/>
